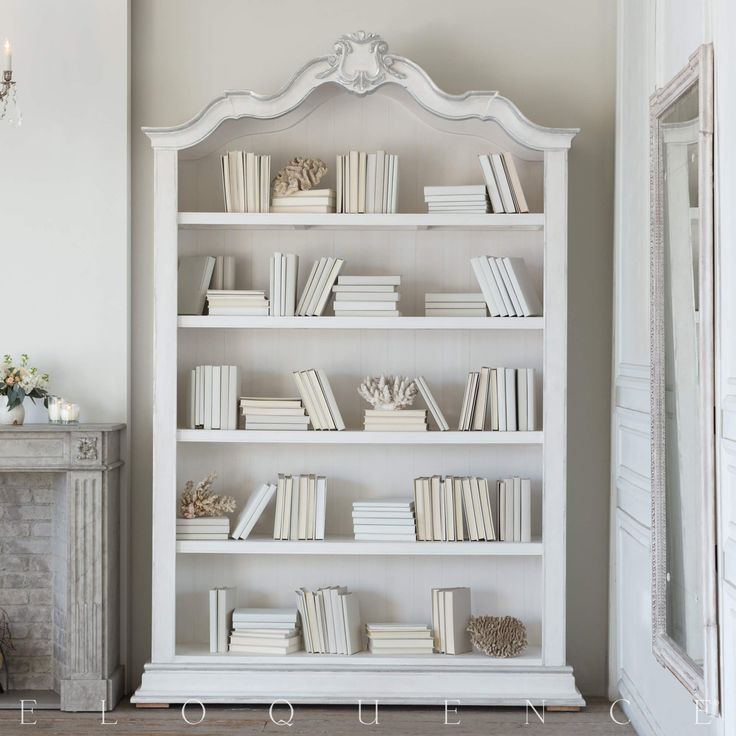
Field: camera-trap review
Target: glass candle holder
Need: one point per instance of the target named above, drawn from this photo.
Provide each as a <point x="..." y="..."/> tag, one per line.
<point x="54" y="405"/>
<point x="69" y="413"/>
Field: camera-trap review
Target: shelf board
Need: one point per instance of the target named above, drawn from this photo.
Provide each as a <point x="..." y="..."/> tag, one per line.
<point x="358" y="437"/>
<point x="349" y="546"/>
<point x="332" y="221"/>
<point x="200" y="654"/>
<point x="362" y="323"/>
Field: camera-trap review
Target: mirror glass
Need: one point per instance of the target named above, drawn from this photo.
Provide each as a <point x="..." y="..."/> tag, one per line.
<point x="678" y="132"/>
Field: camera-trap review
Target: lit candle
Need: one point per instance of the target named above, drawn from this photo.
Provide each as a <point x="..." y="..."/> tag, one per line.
<point x="55" y="404"/>
<point x="8" y="56"/>
<point x="66" y="412"/>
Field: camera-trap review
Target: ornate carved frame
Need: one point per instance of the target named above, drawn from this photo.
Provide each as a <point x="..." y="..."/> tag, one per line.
<point x="701" y="682"/>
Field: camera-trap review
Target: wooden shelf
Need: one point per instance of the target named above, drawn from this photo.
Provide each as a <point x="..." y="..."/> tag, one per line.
<point x="349" y="546"/>
<point x="363" y="323"/>
<point x="200" y="654"/>
<point x="401" y="221"/>
<point x="358" y="437"/>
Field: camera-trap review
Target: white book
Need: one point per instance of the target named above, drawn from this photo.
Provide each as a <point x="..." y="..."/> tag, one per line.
<point x="260" y="502"/>
<point x="370" y="183"/>
<point x="311" y="383"/>
<point x="372" y="289"/>
<point x="486" y="509"/>
<point x="276" y="285"/>
<point x="305" y="392"/>
<point x="294" y="481"/>
<point x="491" y="185"/>
<point x="208" y="396"/>
<point x="503" y="183"/>
<point x="478" y="189"/>
<point x="521" y="400"/>
<point x="352" y="622"/>
<point x="466" y="400"/>
<point x="327" y="600"/>
<point x="369" y="280"/>
<point x="251" y="189"/>
<point x="394" y="183"/>
<point x="193" y="280"/>
<point x="517" y="509"/>
<point x="292" y="267"/>
<point x="493" y="400"/>
<point x="510" y="287"/>
<point x="457" y="496"/>
<point x="265" y="183"/>
<point x="282" y="292"/>
<point x="362" y="175"/>
<point x="508" y="485"/>
<point x="335" y="592"/>
<point x="354" y="167"/>
<point x="531" y="407"/>
<point x="432" y="404"/>
<point x="501" y="397"/>
<point x="386" y="204"/>
<point x="511" y="414"/>
<point x="320" y="280"/>
<point x="379" y="177"/>
<point x="192" y="408"/>
<point x="513" y="177"/>
<point x="233" y="386"/>
<point x="357" y="306"/>
<point x="321" y="508"/>
<point x="325" y="288"/>
<point x="477" y="508"/>
<point x="240" y="311"/>
<point x="308" y="286"/>
<point x="279" y="513"/>
<point x="526" y="510"/>
<point x="331" y="401"/>
<point x="456" y="616"/>
<point x="213" y="621"/>
<point x="449" y="508"/>
<point x="523" y="287"/>
<point x="436" y="495"/>
<point x="361" y="296"/>
<point x="495" y="290"/>
<point x="274" y="426"/>
<point x="450" y="298"/>
<point x="225" y="606"/>
<point x="216" y="396"/>
<point x="248" y="510"/>
<point x="501" y="285"/>
<point x="485" y="286"/>
<point x="225" y="182"/>
<point x="286" y="511"/>
<point x="481" y="401"/>
<point x="367" y="313"/>
<point x="224" y="397"/>
<point x="338" y="182"/>
<point x="303" y="507"/>
<point x="199" y="374"/>
<point x="455" y="312"/>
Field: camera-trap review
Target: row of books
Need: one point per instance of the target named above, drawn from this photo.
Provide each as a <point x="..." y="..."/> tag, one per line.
<point x="386" y="520"/>
<point x="458" y="509"/>
<point x="507" y="286"/>
<point x="451" y="611"/>
<point x="246" y="181"/>
<point x="319" y="201"/>
<point x="455" y="305"/>
<point x="399" y="639"/>
<point x="319" y="400"/>
<point x="331" y="620"/>
<point x="301" y="505"/>
<point x="367" y="182"/>
<point x="213" y="397"/>
<point x="499" y="399"/>
<point x="265" y="631"/>
<point x="318" y="286"/>
<point x="232" y="302"/>
<point x="281" y="414"/>
<point x="253" y="510"/>
<point x="366" y="296"/>
<point x="397" y="420"/>
<point x="502" y="183"/>
<point x="464" y="199"/>
<point x="283" y="274"/>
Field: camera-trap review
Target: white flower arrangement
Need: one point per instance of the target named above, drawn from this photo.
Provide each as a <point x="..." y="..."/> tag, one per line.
<point x="19" y="381"/>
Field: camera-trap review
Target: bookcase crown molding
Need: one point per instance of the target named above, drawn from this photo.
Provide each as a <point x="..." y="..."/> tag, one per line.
<point x="361" y="64"/>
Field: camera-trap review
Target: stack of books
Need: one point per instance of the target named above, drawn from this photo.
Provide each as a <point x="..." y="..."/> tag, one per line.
<point x="253" y="510"/>
<point x="239" y="303"/>
<point x="222" y="605"/>
<point x="514" y="509"/>
<point x="450" y="617"/>
<point x="318" y="398"/>
<point x="396" y="420"/>
<point x="301" y="503"/>
<point x="499" y="399"/>
<point x="320" y="201"/>
<point x="246" y="181"/>
<point x="454" y="305"/>
<point x="503" y="183"/>
<point x="455" y="509"/>
<point x="213" y="397"/>
<point x="282" y="281"/>
<point x="318" y="287"/>
<point x="331" y="620"/>
<point x="386" y="520"/>
<point x="399" y="639"/>
<point x="367" y="182"/>
<point x="432" y="404"/>
<point x="459" y="509"/>
<point x="507" y="286"/>
<point x="262" y="412"/>
<point x="273" y="631"/>
<point x="366" y="296"/>
<point x="203" y="527"/>
<point x="471" y="199"/>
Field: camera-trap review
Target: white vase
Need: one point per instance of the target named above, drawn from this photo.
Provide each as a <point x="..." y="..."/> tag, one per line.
<point x="16" y="415"/>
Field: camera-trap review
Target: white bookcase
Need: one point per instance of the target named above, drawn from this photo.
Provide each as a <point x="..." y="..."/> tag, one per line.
<point x="360" y="97"/>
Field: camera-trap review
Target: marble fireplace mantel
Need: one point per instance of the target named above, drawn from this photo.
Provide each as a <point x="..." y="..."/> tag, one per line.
<point x="86" y="459"/>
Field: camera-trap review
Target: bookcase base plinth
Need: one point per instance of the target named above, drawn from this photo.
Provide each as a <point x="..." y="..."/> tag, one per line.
<point x="390" y="685"/>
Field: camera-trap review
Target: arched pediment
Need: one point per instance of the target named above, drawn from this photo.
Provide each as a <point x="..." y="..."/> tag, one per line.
<point x="361" y="64"/>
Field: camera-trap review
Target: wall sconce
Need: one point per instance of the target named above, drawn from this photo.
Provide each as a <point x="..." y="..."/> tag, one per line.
<point x="9" y="111"/>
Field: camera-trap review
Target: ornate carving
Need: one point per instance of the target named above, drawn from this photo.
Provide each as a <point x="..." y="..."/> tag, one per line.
<point x="87" y="448"/>
<point x="361" y="61"/>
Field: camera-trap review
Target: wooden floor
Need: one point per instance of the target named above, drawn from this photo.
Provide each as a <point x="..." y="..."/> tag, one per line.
<point x="322" y="721"/>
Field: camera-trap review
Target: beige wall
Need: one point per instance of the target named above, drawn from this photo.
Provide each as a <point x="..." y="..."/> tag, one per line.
<point x="555" y="60"/>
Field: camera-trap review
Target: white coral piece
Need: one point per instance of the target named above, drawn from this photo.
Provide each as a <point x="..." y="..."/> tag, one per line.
<point x="388" y="392"/>
<point x="300" y="174"/>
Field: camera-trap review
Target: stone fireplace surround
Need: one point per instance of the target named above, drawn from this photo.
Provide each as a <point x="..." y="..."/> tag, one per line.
<point x="59" y="563"/>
